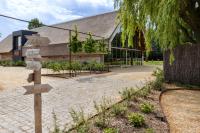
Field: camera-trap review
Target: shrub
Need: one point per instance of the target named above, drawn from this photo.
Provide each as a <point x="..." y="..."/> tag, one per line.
<point x="75" y="66"/>
<point x="149" y="130"/>
<point x="56" y="66"/>
<point x="159" y="74"/>
<point x="18" y="63"/>
<point x="146" y="108"/>
<point x="119" y="110"/>
<point x="56" y="125"/>
<point x="8" y="63"/>
<point x="102" y="120"/>
<point x="142" y="92"/>
<point x="110" y="130"/>
<point x="99" y="67"/>
<point x="128" y="93"/>
<point x="136" y="119"/>
<point x="80" y="121"/>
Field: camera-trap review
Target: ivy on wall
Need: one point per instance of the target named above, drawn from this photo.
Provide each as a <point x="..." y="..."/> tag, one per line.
<point x="90" y="45"/>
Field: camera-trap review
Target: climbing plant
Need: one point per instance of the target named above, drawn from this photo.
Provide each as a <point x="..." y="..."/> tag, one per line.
<point x="89" y="44"/>
<point x="76" y="45"/>
<point x="101" y="46"/>
<point x="169" y="22"/>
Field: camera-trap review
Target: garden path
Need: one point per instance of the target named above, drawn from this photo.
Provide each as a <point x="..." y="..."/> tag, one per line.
<point x="182" y="110"/>
<point x="16" y="109"/>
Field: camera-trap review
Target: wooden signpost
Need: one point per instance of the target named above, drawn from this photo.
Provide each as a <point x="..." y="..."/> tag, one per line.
<point x="33" y="62"/>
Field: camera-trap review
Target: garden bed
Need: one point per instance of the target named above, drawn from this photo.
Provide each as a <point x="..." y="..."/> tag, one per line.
<point x="120" y="123"/>
<point x="138" y="111"/>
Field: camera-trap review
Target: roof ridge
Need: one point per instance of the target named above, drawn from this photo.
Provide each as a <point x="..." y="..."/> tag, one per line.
<point x="57" y="24"/>
<point x="78" y="19"/>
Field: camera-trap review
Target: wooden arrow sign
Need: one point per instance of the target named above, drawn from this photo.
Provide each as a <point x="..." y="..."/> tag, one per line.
<point x="35" y="89"/>
<point x="33" y="65"/>
<point x="33" y="53"/>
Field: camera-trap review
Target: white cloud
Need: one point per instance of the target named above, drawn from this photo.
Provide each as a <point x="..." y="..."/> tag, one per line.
<point x="28" y="9"/>
<point x="108" y="3"/>
<point x="48" y="11"/>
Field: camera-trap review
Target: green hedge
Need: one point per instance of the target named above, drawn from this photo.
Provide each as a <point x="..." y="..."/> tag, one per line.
<point x="12" y="63"/>
<point x="58" y="66"/>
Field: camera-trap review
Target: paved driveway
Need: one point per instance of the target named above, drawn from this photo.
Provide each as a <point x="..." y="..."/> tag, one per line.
<point x="16" y="109"/>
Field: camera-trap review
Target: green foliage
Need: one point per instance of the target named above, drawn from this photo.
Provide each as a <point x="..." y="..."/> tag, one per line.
<point x="76" y="66"/>
<point x="159" y="74"/>
<point x="99" y="67"/>
<point x="80" y="121"/>
<point x="146" y="108"/>
<point x="8" y="63"/>
<point x="153" y="62"/>
<point x="170" y="22"/>
<point x="76" y="45"/>
<point x="55" y="66"/>
<point x="136" y="119"/>
<point x="149" y="130"/>
<point x="19" y="63"/>
<point x="89" y="44"/>
<point x="101" y="46"/>
<point x="119" y="110"/>
<point x="102" y="121"/>
<point x="110" y="130"/>
<point x="128" y="93"/>
<point x="34" y="23"/>
<point x="56" y="125"/>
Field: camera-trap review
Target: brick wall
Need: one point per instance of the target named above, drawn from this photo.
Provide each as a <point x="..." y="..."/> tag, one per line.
<point x="5" y="56"/>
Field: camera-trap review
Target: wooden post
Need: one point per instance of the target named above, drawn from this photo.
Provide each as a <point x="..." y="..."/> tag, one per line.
<point x="38" y="103"/>
<point x="33" y="59"/>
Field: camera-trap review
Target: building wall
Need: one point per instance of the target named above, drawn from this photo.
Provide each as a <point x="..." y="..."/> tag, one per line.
<point x="186" y="67"/>
<point x="5" y="56"/>
<point x="61" y="52"/>
<point x="78" y="57"/>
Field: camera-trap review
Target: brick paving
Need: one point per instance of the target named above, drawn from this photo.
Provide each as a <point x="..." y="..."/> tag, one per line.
<point x="16" y="109"/>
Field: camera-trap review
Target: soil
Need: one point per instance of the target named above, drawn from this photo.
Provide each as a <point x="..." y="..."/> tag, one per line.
<point x="182" y="110"/>
<point x="154" y="120"/>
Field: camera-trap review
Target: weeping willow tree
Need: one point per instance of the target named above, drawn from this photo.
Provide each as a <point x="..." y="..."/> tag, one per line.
<point x="169" y="22"/>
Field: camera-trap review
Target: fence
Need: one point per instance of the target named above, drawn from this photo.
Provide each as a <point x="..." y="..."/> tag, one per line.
<point x="186" y="67"/>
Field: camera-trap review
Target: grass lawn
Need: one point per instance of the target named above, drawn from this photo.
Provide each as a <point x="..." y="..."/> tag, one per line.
<point x="153" y="62"/>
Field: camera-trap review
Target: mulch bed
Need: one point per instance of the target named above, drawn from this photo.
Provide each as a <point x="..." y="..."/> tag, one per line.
<point x="155" y="121"/>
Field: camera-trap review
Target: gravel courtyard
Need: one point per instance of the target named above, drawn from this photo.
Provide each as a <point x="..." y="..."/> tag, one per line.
<point x="16" y="109"/>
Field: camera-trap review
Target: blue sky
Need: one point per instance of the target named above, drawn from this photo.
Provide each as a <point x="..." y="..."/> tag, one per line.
<point x="48" y="11"/>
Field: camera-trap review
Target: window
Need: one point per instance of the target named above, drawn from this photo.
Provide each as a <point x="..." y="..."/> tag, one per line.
<point x="19" y="40"/>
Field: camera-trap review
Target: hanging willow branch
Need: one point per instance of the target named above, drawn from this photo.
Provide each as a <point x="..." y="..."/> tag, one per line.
<point x="169" y="22"/>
